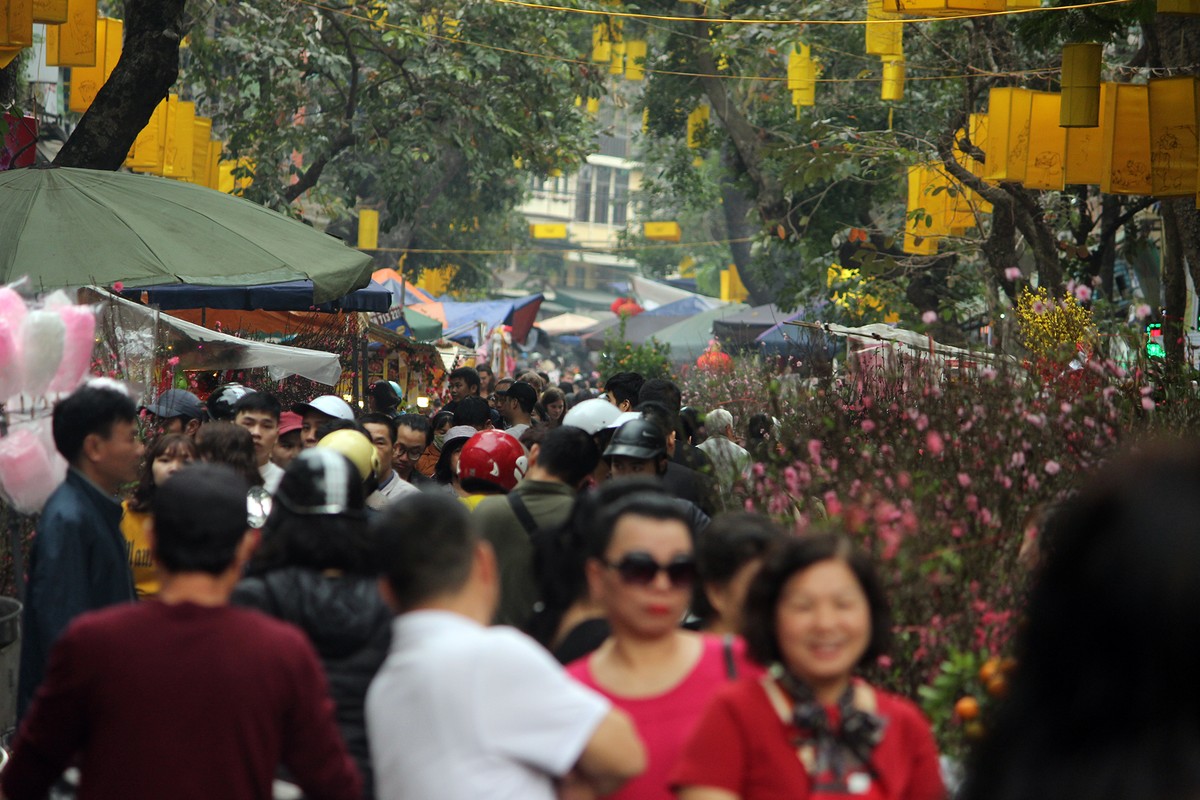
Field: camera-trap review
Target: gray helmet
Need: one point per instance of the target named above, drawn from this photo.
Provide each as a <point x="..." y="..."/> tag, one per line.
<point x="638" y="438"/>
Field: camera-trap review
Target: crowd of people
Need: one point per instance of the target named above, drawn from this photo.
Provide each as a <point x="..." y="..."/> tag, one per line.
<point x="533" y="592"/>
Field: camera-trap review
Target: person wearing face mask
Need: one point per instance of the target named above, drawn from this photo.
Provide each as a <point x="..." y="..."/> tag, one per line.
<point x="166" y="455"/>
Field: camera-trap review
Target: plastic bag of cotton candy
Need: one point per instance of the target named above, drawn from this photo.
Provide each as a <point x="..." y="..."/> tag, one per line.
<point x="30" y="466"/>
<point x="46" y="348"/>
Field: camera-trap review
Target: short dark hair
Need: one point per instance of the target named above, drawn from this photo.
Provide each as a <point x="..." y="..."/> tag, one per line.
<point x="332" y="424"/>
<point x="484" y="368"/>
<point x="469" y="376"/>
<point x="662" y="391"/>
<point x="791" y="557"/>
<point x="625" y="386"/>
<point x="418" y="423"/>
<point x="473" y="411"/>
<point x="658" y="413"/>
<point x="225" y="443"/>
<point x="379" y="418"/>
<point x="87" y="410"/>
<point x="258" y="401"/>
<point x="200" y="519"/>
<point x="568" y="453"/>
<point x="652" y="504"/>
<point x="439" y="419"/>
<point x="314" y="541"/>
<point x="425" y="546"/>
<point x="732" y="540"/>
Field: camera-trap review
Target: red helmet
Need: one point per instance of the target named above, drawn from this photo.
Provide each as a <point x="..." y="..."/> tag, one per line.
<point x="494" y="457"/>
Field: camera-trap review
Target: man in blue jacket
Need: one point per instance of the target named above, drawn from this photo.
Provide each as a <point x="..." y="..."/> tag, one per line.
<point x="78" y="561"/>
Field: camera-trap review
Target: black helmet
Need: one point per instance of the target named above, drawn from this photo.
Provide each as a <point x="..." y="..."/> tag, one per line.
<point x="220" y="402"/>
<point x="321" y="482"/>
<point x="638" y="438"/>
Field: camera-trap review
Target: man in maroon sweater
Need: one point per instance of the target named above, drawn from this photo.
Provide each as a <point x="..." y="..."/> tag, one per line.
<point x="184" y="696"/>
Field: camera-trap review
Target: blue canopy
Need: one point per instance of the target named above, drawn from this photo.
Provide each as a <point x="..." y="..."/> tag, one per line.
<point x="683" y="307"/>
<point x="287" y="296"/>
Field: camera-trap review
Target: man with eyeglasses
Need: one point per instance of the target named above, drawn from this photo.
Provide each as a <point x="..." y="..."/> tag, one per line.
<point x="382" y="429"/>
<point x="414" y="438"/>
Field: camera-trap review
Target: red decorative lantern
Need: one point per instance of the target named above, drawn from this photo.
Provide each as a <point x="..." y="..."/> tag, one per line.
<point x="714" y="359"/>
<point x="19" y="147"/>
<point x="626" y="307"/>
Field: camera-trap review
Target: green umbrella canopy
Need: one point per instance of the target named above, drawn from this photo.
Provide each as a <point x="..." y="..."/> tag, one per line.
<point x="424" y="329"/>
<point x="66" y="227"/>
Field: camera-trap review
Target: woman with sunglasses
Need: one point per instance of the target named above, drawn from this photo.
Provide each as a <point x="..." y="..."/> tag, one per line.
<point x="641" y="570"/>
<point x="815" y="612"/>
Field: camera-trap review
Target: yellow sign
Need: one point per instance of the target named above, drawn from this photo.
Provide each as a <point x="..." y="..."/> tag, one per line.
<point x="662" y="231"/>
<point x="548" y="231"/>
<point x="368" y="229"/>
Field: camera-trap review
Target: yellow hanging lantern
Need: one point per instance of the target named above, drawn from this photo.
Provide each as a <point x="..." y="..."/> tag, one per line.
<point x="942" y="8"/>
<point x="146" y="154"/>
<point x="921" y="231"/>
<point x="1174" y="112"/>
<point x="1081" y="85"/>
<point x="802" y="75"/>
<point x="1179" y="6"/>
<point x="215" y="149"/>
<point x="883" y="38"/>
<point x="617" y="65"/>
<point x="1047" y="143"/>
<point x="87" y="81"/>
<point x="635" y="59"/>
<point x="1008" y="134"/>
<point x="177" y="152"/>
<point x="1125" y="152"/>
<point x="1085" y="147"/>
<point x="73" y="43"/>
<point x="50" y="12"/>
<point x="697" y="121"/>
<point x="892" y="87"/>
<point x="16" y="28"/>
<point x="601" y="43"/>
<point x="368" y="229"/>
<point x="201" y="132"/>
<point x="593" y="105"/>
<point x="1011" y="4"/>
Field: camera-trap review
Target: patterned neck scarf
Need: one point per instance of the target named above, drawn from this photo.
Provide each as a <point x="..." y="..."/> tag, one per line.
<point x="824" y="750"/>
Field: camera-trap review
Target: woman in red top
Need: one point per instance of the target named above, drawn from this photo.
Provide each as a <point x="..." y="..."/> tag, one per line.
<point x="641" y="571"/>
<point x="809" y="729"/>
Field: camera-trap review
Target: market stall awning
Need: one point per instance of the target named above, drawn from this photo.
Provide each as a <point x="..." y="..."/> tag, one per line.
<point x="287" y="296"/>
<point x="639" y="329"/>
<point x="146" y="334"/>
<point x="463" y="320"/>
<point x="652" y="294"/>
<point x="401" y="288"/>
<point x="568" y="323"/>
<point x="411" y="323"/>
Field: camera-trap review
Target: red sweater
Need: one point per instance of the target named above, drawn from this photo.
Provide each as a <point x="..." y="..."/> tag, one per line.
<point x="181" y="701"/>
<point x="743" y="746"/>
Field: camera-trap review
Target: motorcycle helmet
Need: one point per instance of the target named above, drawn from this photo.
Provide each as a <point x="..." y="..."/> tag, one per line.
<point x="361" y="452"/>
<point x="220" y="402"/>
<point x="493" y="457"/>
<point x="321" y="481"/>
<point x="638" y="438"/>
<point x="591" y="415"/>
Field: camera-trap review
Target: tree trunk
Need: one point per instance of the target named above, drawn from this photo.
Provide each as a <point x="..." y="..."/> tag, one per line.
<point x="148" y="68"/>
<point x="1174" y="283"/>
<point x="736" y="208"/>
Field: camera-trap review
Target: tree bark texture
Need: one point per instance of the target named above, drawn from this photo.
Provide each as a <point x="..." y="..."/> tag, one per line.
<point x="148" y="68"/>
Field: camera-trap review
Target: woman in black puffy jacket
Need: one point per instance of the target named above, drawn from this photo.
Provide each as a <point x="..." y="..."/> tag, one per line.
<point x="313" y="570"/>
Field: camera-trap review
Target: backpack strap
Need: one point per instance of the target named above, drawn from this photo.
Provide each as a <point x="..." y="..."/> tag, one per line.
<point x="731" y="668"/>
<point x="522" y="513"/>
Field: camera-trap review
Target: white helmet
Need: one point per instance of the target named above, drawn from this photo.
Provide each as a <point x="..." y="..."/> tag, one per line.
<point x="623" y="417"/>
<point x="591" y="416"/>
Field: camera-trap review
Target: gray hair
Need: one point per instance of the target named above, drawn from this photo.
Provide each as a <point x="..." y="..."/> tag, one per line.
<point x="718" y="420"/>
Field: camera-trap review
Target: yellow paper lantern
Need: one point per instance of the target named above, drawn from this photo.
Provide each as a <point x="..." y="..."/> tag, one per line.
<point x="732" y="288"/>
<point x="617" y="65"/>
<point x="229" y="182"/>
<point x="802" y="75"/>
<point x="1047" y="147"/>
<point x="368" y="229"/>
<point x="1084" y="154"/>
<point x="601" y="43"/>
<point x="593" y="105"/>
<point x="883" y="38"/>
<point x="73" y="43"/>
<point x="1125" y="152"/>
<point x="635" y="59"/>
<point x="1174" y="144"/>
<point x="1081" y="85"/>
<point x="177" y="152"/>
<point x="1023" y="4"/>
<point x="16" y="28"/>
<point x="942" y="8"/>
<point x="1179" y="6"/>
<point x="924" y="221"/>
<point x="215" y="149"/>
<point x="697" y="121"/>
<point x="201" y="133"/>
<point x="86" y="82"/>
<point x="146" y="154"/>
<point x="50" y="12"/>
<point x="1007" y="147"/>
<point x="892" y="87"/>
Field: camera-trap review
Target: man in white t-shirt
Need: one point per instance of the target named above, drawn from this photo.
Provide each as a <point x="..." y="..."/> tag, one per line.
<point x="258" y="412"/>
<point x="460" y="711"/>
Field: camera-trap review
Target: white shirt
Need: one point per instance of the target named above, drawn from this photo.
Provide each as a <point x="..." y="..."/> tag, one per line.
<point x="460" y="711"/>
<point x="384" y="495"/>
<point x="271" y="474"/>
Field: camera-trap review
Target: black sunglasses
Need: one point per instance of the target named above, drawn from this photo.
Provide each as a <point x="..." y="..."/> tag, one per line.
<point x="640" y="569"/>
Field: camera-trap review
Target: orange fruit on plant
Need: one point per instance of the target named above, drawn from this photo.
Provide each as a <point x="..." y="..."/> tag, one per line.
<point x="967" y="708"/>
<point x="1008" y="665"/>
<point x="997" y="686"/>
<point x="974" y="731"/>
<point x="989" y="670"/>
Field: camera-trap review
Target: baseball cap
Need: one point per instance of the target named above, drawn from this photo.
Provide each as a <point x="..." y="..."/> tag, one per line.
<point x="290" y="421"/>
<point x="176" y="403"/>
<point x="520" y="391"/>
<point x="328" y="404"/>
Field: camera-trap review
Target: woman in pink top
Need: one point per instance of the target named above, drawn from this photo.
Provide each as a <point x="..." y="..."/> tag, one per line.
<point x="641" y="571"/>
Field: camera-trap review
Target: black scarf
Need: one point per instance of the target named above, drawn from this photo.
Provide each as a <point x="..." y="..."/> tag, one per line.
<point x="836" y="751"/>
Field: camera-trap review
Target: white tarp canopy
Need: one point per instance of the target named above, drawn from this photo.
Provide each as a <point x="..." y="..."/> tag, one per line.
<point x="568" y="323"/>
<point x="652" y="294"/>
<point x="140" y="334"/>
